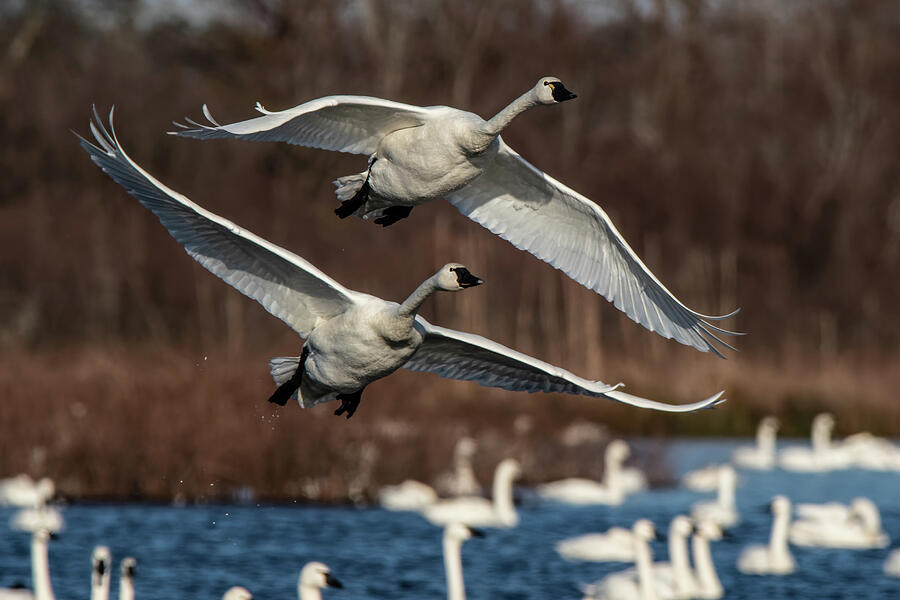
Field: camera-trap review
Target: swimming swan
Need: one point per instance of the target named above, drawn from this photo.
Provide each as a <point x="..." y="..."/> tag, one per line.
<point x="722" y="511"/>
<point x="126" y="578"/>
<point x="822" y="456"/>
<point x="100" y="573"/>
<point x="835" y="525"/>
<point x="774" y="559"/>
<point x="706" y="580"/>
<point x="623" y="585"/>
<point x="353" y="338"/>
<point x="892" y="564"/>
<point x="237" y="593"/>
<point x="419" y="154"/>
<point x="42" y="524"/>
<point x="475" y="511"/>
<point x="704" y="479"/>
<point x="454" y="535"/>
<point x="577" y="490"/>
<point x="415" y="495"/>
<point x="409" y="495"/>
<point x="762" y="455"/>
<point x="314" y="577"/>
<point x="614" y="545"/>
<point x="673" y="579"/>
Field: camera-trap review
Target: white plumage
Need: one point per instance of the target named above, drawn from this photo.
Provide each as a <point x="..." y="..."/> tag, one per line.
<point x="762" y="455"/>
<point x="475" y="511"/>
<point x="352" y="338"/>
<point x="774" y="558"/>
<point x="722" y="511"/>
<point x="454" y="536"/>
<point x="835" y="525"/>
<point x="576" y="490"/>
<point x="418" y="154"/>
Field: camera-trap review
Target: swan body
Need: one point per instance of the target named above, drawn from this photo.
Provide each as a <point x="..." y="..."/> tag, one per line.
<point x="24" y="492"/>
<point x="775" y="558"/>
<point x="761" y="456"/>
<point x="126" y="578"/>
<point x="869" y="452"/>
<point x="614" y="545"/>
<point x="822" y="455"/>
<point x="352" y="338"/>
<point x="100" y="573"/>
<point x="461" y="481"/>
<point x="237" y="593"/>
<point x="834" y="525"/>
<point x="419" y="154"/>
<point x="704" y="479"/>
<point x="575" y="490"/>
<point x="409" y="495"/>
<point x="16" y="593"/>
<point x="475" y="511"/>
<point x="674" y="579"/>
<point x="454" y="536"/>
<point x="624" y="585"/>
<point x="706" y="580"/>
<point x="722" y="511"/>
<point x="314" y="577"/>
<point x="892" y="564"/>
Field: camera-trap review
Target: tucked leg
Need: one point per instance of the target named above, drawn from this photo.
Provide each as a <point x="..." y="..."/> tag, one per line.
<point x="392" y="214"/>
<point x="349" y="403"/>
<point x="361" y="196"/>
<point x="287" y="389"/>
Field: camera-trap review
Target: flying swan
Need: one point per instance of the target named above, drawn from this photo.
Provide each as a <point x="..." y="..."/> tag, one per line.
<point x="419" y="154"/>
<point x="352" y="339"/>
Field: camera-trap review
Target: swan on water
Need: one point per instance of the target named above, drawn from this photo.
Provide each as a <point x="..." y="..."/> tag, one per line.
<point x="461" y="481"/>
<point x="822" y="456"/>
<point x="43" y="524"/>
<point x="722" y="511"/>
<point x="576" y="490"/>
<point x="774" y="558"/>
<point x="761" y="456"/>
<point x="409" y="495"/>
<point x="419" y="154"/>
<point x="415" y="495"/>
<point x="706" y="580"/>
<point x="100" y="573"/>
<point x="314" y="577"/>
<point x="454" y="536"/>
<point x="892" y="563"/>
<point x="352" y="339"/>
<point x="237" y="593"/>
<point x="24" y="492"/>
<point x="704" y="479"/>
<point x="623" y="585"/>
<point x="673" y="579"/>
<point x="614" y="545"/>
<point x="835" y="525"/>
<point x="126" y="578"/>
<point x="476" y="511"/>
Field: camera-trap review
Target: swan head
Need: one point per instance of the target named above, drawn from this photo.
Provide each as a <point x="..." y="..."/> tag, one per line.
<point x="100" y="560"/>
<point x="237" y="593"/>
<point x="454" y="277"/>
<point x="509" y="468"/>
<point x="823" y="422"/>
<point x="459" y="532"/>
<point x="781" y="506"/>
<point x="867" y="512"/>
<point x="46" y="488"/>
<point x="769" y="423"/>
<point x="128" y="567"/>
<point x="617" y="451"/>
<point x="643" y="529"/>
<point x="680" y="527"/>
<point x="550" y="90"/>
<point x="317" y="575"/>
<point x="465" y="447"/>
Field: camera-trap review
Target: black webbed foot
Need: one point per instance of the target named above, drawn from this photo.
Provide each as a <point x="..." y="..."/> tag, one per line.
<point x="287" y="389"/>
<point x="349" y="403"/>
<point x="392" y="214"/>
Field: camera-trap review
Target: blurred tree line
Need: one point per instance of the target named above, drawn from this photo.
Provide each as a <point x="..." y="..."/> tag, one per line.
<point x="747" y="150"/>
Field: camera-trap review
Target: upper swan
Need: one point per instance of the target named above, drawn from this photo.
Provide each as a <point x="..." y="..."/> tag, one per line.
<point x="352" y="338"/>
<point x="418" y="154"/>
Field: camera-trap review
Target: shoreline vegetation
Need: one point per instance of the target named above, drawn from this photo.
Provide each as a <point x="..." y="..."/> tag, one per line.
<point x="747" y="151"/>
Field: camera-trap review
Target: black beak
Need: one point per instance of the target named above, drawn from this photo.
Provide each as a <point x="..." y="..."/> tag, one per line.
<point x="476" y="532"/>
<point x="332" y="581"/>
<point x="54" y="536"/>
<point x="466" y="279"/>
<point x="727" y="535"/>
<point x="561" y="94"/>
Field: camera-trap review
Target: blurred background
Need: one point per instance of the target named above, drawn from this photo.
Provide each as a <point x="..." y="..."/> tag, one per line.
<point x="747" y="150"/>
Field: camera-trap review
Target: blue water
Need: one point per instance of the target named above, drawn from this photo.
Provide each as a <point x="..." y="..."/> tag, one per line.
<point x="198" y="552"/>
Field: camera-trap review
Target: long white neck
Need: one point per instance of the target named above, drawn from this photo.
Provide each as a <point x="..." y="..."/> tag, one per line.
<point x="40" y="568"/>
<point x="726" y="491"/>
<point x="778" y="537"/>
<point x="765" y="440"/>
<point x="503" y="500"/>
<point x="707" y="579"/>
<point x="456" y="589"/>
<point x="411" y="305"/>
<point x="612" y="474"/>
<point x="821" y="438"/>
<point x="465" y="475"/>
<point x="126" y="588"/>
<point x="308" y="592"/>
<point x="644" y="561"/>
<point x="99" y="586"/>
<point x="678" y="556"/>
<point x="502" y="119"/>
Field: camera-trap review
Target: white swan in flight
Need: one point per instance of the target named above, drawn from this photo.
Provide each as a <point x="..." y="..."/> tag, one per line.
<point x="126" y="578"/>
<point x="352" y="339"/>
<point x="476" y="511"/>
<point x="578" y="490"/>
<point x="761" y="456"/>
<point x="775" y="558"/>
<point x="419" y="154"/>
<point x="100" y="573"/>
<point x="454" y="536"/>
<point x="835" y="525"/>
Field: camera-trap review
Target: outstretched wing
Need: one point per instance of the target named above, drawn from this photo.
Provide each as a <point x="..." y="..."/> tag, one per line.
<point x="354" y="124"/>
<point x="538" y="214"/>
<point x="469" y="357"/>
<point x="283" y="283"/>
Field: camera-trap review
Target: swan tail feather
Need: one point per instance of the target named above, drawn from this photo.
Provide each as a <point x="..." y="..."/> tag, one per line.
<point x="283" y="368"/>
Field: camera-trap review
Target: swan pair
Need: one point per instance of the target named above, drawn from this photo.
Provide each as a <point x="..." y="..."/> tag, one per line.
<point x="101" y="574"/>
<point x="722" y="511"/>
<point x="476" y="511"/>
<point x="314" y="577"/>
<point x="352" y="339"/>
<point x="835" y="525"/>
<point x="24" y="492"/>
<point x="774" y="558"/>
<point x="822" y="455"/>
<point x="611" y="491"/>
<point x="667" y="580"/>
<point x="419" y="154"/>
